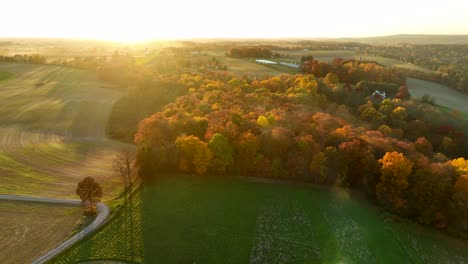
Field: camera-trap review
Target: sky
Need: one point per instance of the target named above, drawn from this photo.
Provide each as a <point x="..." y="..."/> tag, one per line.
<point x="134" y="20"/>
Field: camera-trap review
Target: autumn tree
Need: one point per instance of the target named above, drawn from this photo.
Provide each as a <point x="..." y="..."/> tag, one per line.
<point x="332" y="78"/>
<point x="398" y="117"/>
<point x="395" y="170"/>
<point x="448" y="146"/>
<point x="318" y="167"/>
<point x="423" y="146"/>
<point x="460" y="196"/>
<point x="403" y="92"/>
<point x="276" y="141"/>
<point x="263" y="122"/>
<point x="195" y="154"/>
<point x="246" y="149"/>
<point x="431" y="193"/>
<point x="461" y="165"/>
<point x="90" y="193"/>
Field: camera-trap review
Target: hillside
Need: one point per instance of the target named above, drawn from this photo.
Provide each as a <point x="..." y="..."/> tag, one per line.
<point x="409" y="39"/>
<point x="52" y="131"/>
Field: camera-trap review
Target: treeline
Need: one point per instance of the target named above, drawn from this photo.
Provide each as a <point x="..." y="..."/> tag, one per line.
<point x="24" y="58"/>
<point x="351" y="71"/>
<point x="249" y="52"/>
<point x="449" y="62"/>
<point x="401" y="152"/>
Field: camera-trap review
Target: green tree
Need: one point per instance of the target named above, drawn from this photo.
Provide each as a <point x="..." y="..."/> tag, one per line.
<point x="223" y="152"/>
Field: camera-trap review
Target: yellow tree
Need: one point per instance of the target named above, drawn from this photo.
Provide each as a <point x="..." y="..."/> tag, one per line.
<point x="318" y="166"/>
<point x="460" y="195"/>
<point x="195" y="154"/>
<point x="394" y="179"/>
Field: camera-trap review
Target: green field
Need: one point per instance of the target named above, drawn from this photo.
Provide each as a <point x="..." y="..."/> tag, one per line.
<point x="186" y="220"/>
<point x="443" y="95"/>
<point x="30" y="229"/>
<point x="52" y="131"/>
<point x="5" y="75"/>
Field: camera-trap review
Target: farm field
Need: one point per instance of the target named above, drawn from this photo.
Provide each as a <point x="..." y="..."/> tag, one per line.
<point x="329" y="55"/>
<point x="249" y="66"/>
<point x="52" y="123"/>
<point x="196" y="220"/>
<point x="443" y="95"/>
<point x="30" y="229"/>
<point x="241" y="66"/>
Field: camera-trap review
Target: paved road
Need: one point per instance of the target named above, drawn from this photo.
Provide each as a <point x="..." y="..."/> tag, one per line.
<point x="103" y="214"/>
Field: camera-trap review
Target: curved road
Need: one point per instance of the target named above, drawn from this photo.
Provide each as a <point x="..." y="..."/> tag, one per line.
<point x="103" y="214"/>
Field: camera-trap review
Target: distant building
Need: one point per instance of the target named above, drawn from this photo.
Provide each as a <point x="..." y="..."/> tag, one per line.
<point x="379" y="95"/>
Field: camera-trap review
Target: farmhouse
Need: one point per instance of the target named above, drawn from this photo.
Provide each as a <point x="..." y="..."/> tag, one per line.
<point x="378" y="95"/>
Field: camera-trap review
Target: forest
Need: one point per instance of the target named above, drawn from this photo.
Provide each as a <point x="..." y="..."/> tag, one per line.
<point x="352" y="71"/>
<point x="403" y="153"/>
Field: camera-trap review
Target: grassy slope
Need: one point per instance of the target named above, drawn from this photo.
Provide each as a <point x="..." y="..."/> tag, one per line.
<point x="25" y="224"/>
<point x="229" y="221"/>
<point x="52" y="131"/>
<point x="443" y="95"/>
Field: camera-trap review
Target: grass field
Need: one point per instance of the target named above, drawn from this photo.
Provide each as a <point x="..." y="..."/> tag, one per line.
<point x="30" y="229"/>
<point x="443" y="95"/>
<point x="5" y="75"/>
<point x="241" y="66"/>
<point x="52" y="131"/>
<point x="184" y="220"/>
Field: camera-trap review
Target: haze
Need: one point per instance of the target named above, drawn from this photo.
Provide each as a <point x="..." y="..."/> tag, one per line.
<point x="141" y="20"/>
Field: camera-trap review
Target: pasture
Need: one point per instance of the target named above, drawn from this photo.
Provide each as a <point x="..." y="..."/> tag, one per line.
<point x="31" y="229"/>
<point x="52" y="131"/>
<point x="196" y="220"/>
<point x="443" y="95"/>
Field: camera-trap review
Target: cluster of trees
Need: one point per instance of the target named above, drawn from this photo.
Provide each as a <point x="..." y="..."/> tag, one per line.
<point x="249" y="52"/>
<point x="449" y="62"/>
<point x="352" y="71"/>
<point x="401" y="152"/>
<point x="25" y="58"/>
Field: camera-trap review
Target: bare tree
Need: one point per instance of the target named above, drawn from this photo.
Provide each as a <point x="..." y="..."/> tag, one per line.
<point x="123" y="163"/>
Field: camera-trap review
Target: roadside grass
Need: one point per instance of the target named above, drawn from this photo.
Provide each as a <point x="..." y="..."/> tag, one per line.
<point x="30" y="229"/>
<point x="187" y="219"/>
<point x="52" y="131"/>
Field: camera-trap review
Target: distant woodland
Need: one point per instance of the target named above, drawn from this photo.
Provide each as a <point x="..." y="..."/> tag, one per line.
<point x="449" y="63"/>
